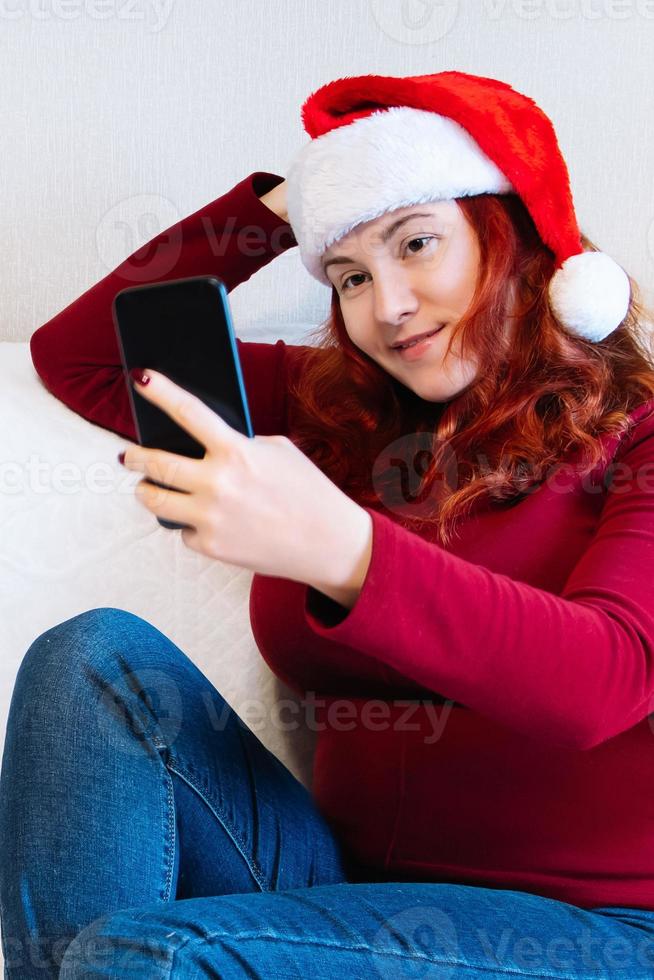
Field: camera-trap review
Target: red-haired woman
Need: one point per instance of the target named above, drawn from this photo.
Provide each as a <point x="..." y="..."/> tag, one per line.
<point x="449" y="511"/>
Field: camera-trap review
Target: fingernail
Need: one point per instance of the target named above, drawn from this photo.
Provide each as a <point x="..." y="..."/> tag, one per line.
<point x="139" y="376"/>
<point x="121" y="457"/>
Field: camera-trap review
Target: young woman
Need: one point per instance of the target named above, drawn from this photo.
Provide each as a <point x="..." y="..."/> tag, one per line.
<point x="453" y="553"/>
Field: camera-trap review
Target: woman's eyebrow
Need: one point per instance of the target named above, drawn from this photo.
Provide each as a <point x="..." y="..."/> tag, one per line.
<point x="385" y="235"/>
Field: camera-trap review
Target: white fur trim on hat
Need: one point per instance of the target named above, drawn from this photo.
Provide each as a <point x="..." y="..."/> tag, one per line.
<point x="390" y="159"/>
<point x="590" y="294"/>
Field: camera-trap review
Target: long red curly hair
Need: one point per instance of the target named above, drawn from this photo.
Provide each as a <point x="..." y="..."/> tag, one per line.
<point x="535" y="398"/>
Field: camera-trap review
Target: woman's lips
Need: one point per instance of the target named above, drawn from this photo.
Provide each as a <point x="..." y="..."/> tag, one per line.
<point x="417" y="350"/>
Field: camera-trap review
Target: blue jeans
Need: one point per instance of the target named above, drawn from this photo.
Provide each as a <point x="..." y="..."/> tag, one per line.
<point x="146" y="832"/>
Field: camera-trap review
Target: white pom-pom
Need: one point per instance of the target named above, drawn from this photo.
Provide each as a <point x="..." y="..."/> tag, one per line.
<point x="590" y="294"/>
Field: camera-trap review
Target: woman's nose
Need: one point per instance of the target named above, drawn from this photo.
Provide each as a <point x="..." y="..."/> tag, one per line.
<point x="394" y="298"/>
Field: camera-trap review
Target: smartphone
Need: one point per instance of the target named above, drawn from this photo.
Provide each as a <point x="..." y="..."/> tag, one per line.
<point x="182" y="328"/>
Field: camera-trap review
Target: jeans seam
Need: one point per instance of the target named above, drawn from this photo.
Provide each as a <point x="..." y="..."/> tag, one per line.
<point x="172" y="837"/>
<point x="501" y="971"/>
<point x="239" y="842"/>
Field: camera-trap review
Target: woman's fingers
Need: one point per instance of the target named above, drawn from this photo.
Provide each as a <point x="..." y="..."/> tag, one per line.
<point x="179" y="472"/>
<point x="190" y="412"/>
<point x="171" y="505"/>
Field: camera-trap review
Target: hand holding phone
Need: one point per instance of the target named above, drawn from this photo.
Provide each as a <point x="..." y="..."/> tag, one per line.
<point x="258" y="502"/>
<point x="182" y="328"/>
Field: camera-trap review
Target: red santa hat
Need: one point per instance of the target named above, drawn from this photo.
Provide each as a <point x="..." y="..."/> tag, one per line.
<point x="379" y="143"/>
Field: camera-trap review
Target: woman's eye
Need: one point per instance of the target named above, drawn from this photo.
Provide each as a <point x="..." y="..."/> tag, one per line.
<point x="423" y="238"/>
<point x="345" y="281"/>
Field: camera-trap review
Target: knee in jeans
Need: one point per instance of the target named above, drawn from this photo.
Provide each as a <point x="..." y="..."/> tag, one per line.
<point x="64" y="646"/>
<point x="91" y="620"/>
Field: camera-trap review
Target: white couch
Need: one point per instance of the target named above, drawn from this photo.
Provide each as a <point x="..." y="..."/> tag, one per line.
<point x="74" y="537"/>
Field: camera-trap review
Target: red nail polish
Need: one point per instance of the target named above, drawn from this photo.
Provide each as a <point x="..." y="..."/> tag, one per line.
<point x="121" y="457"/>
<point x="139" y="376"/>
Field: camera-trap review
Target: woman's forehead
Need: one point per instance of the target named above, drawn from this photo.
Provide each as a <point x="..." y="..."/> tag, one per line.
<point x="383" y="226"/>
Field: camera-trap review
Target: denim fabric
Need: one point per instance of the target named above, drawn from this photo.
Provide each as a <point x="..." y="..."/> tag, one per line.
<point x="146" y="832"/>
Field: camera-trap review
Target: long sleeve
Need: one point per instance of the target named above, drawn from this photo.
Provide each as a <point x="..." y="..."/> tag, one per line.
<point x="76" y="352"/>
<point x="572" y="669"/>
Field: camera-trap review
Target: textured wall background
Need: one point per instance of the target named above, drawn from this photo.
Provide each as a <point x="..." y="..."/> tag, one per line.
<point x="121" y="116"/>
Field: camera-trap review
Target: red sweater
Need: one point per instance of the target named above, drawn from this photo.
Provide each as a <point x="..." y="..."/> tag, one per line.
<point x="495" y="726"/>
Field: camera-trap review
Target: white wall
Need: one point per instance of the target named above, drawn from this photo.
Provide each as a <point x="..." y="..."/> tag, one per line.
<point x="120" y="109"/>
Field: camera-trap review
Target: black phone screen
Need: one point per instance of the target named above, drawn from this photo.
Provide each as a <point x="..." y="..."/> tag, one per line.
<point x="183" y="329"/>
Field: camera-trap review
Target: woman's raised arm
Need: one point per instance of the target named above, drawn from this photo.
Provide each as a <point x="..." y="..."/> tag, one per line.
<point x="76" y="353"/>
<point x="276" y="200"/>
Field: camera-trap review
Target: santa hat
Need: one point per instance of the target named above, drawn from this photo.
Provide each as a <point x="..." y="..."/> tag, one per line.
<point x="379" y="143"/>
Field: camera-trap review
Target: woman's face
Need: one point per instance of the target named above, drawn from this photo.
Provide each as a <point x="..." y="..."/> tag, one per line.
<point x="410" y="271"/>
